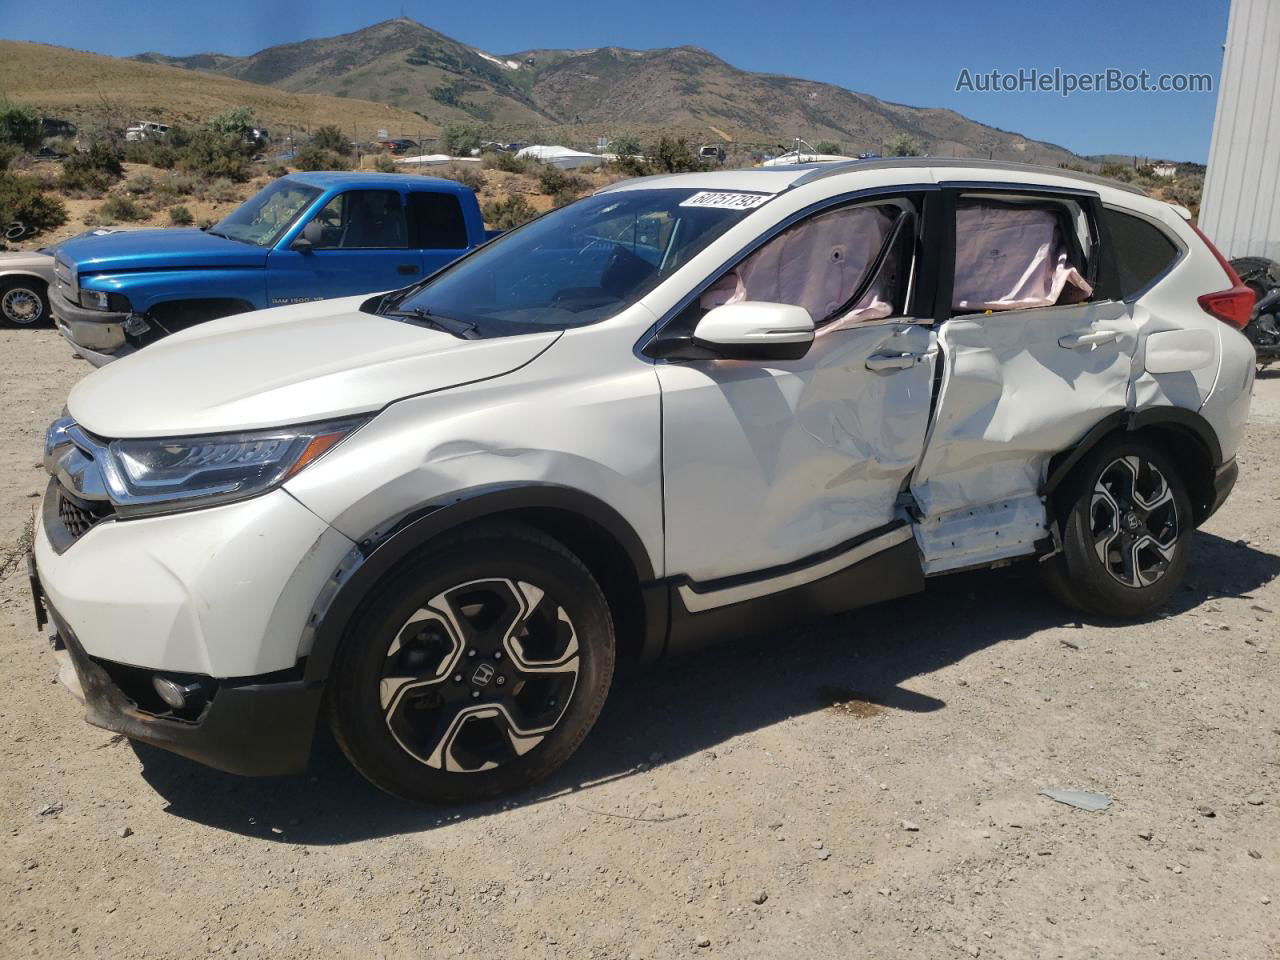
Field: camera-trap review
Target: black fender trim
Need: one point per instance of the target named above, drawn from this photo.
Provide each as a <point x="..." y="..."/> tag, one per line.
<point x="1187" y="422"/>
<point x="381" y="550"/>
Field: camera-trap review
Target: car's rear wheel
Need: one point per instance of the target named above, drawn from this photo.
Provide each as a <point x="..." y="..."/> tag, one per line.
<point x="1126" y="523"/>
<point x="477" y="670"/>
<point x="24" y="302"/>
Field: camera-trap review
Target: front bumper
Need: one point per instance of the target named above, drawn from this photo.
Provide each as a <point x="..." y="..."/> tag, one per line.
<point x="224" y="591"/>
<point x="248" y="727"/>
<point x="98" y="330"/>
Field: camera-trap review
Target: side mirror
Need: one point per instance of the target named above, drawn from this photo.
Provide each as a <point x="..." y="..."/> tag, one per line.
<point x="310" y="237"/>
<point x="751" y="330"/>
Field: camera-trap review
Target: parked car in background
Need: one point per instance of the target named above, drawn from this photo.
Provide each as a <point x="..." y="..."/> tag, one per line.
<point x="146" y="130"/>
<point x="26" y="277"/>
<point x="682" y="408"/>
<point x="25" y="280"/>
<point x="308" y="236"/>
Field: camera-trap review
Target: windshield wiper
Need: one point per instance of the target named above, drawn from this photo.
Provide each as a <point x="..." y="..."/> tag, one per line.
<point x="459" y="328"/>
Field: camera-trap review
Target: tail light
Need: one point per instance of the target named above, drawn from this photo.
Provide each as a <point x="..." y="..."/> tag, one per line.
<point x="1233" y="306"/>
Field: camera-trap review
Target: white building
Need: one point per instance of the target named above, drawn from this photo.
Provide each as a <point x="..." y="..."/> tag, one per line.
<point x="1240" y="209"/>
<point x="1165" y="170"/>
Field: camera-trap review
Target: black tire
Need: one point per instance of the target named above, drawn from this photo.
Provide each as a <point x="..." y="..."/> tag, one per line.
<point x="416" y="734"/>
<point x="24" y="303"/>
<point x="1145" y="560"/>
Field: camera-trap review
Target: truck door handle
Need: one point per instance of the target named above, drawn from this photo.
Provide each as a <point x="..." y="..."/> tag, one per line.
<point x="407" y="268"/>
<point x="893" y="361"/>
<point x="1090" y="339"/>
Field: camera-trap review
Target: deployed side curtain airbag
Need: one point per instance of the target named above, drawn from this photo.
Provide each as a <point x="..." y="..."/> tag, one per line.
<point x="1012" y="258"/>
<point x="817" y="264"/>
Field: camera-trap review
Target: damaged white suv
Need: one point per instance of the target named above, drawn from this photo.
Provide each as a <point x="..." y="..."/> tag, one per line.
<point x="682" y="408"/>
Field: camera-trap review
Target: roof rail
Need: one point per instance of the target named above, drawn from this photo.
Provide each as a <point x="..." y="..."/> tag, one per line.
<point x="836" y="168"/>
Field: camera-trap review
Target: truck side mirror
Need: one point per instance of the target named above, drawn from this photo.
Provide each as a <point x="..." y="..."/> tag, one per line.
<point x="310" y="237"/>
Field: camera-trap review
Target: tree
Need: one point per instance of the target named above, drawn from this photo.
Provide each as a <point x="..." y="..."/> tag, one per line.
<point x="625" y="145"/>
<point x="674" y="155"/>
<point x="331" y="138"/>
<point x="904" y="145"/>
<point x="233" y="121"/>
<point x="19" y="125"/>
<point x="459" y="139"/>
<point x="827" y="146"/>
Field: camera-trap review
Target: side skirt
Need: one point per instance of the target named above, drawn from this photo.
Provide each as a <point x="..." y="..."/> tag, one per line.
<point x="869" y="576"/>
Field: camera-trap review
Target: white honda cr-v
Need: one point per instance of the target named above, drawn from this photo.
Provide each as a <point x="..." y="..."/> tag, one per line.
<point x="680" y="409"/>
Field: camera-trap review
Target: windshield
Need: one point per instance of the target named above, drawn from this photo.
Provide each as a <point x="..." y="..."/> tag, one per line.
<point x="579" y="264"/>
<point x="267" y="214"/>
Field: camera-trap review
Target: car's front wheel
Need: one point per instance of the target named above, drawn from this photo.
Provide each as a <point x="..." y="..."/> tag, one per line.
<point x="475" y="671"/>
<point x="23" y="303"/>
<point x="1126" y="524"/>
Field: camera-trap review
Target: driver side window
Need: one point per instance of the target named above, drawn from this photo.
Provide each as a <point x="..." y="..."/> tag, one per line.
<point x="844" y="266"/>
<point x="362" y="219"/>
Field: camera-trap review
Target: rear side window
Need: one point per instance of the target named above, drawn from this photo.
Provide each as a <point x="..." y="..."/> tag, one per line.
<point x="1140" y="251"/>
<point x="435" y="222"/>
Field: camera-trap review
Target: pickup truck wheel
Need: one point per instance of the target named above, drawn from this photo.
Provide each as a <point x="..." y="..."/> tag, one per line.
<point x="24" y="302"/>
<point x="475" y="671"/>
<point x="1126" y="532"/>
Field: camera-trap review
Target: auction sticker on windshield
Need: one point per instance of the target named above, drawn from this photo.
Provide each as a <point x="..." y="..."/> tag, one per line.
<point x="726" y="201"/>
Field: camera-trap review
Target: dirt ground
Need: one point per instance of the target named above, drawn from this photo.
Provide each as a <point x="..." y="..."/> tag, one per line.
<point x="723" y="807"/>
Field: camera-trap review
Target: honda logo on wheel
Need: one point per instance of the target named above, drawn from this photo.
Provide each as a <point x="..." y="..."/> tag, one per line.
<point x="483" y="674"/>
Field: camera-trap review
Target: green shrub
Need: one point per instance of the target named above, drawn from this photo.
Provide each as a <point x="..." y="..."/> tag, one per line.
<point x="1186" y="190"/>
<point x="19" y="125"/>
<point x="903" y="145"/>
<point x="21" y="201"/>
<point x="827" y="146"/>
<point x="625" y="145"/>
<point x="139" y="185"/>
<point x="507" y="163"/>
<point x="312" y="157"/>
<point x="154" y="153"/>
<point x="552" y="180"/>
<point x="180" y="216"/>
<point x="508" y="213"/>
<point x="232" y="122"/>
<point x="221" y="191"/>
<point x="122" y="208"/>
<point x="175" y="185"/>
<point x="277" y="170"/>
<point x="384" y="163"/>
<point x="331" y="138"/>
<point x="8" y="153"/>
<point x="212" y="154"/>
<point x="563" y="198"/>
<point x="465" y="174"/>
<point x="92" y="171"/>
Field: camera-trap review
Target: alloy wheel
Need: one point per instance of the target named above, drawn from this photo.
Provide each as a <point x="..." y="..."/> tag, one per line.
<point x="1134" y="521"/>
<point x="480" y="675"/>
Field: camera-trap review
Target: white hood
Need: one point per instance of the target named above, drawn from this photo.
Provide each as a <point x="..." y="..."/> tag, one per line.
<point x="296" y="364"/>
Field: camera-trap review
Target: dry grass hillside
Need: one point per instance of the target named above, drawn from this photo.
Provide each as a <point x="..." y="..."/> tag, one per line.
<point x="87" y="88"/>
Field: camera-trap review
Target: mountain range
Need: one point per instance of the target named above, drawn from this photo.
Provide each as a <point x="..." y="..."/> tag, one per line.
<point x="573" y="94"/>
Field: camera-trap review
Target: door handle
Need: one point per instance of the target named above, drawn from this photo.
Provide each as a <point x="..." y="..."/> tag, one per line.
<point x="407" y="268"/>
<point x="893" y="361"/>
<point x="1090" y="339"/>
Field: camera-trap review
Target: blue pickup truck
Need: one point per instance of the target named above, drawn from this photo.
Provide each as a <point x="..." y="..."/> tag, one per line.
<point x="307" y="236"/>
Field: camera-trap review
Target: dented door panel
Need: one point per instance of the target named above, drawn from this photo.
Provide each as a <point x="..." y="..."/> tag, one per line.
<point x="1017" y="388"/>
<point x="765" y="465"/>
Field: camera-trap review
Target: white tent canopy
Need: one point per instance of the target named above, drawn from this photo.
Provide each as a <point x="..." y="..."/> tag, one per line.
<point x="561" y="157"/>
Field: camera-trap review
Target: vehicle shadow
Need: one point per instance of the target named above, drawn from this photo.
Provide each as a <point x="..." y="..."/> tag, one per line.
<point x="677" y="708"/>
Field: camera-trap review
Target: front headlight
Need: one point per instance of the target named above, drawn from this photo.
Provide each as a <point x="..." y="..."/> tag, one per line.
<point x="171" y="474"/>
<point x="100" y="300"/>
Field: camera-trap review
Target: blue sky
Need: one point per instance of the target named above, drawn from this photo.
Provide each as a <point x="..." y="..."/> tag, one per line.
<point x="909" y="51"/>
